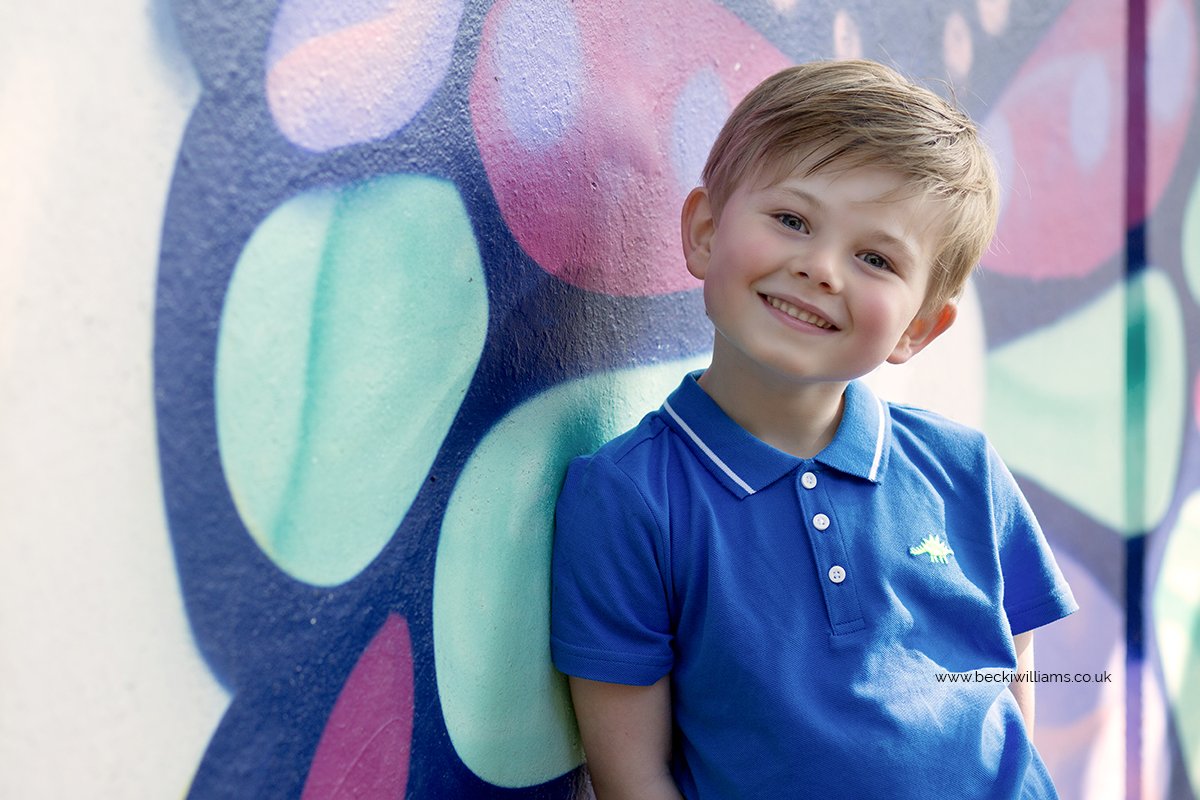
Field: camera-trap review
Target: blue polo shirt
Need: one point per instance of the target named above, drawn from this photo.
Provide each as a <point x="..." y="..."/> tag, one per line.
<point x="804" y="608"/>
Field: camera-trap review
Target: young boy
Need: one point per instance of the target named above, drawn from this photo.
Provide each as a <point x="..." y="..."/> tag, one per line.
<point x="756" y="589"/>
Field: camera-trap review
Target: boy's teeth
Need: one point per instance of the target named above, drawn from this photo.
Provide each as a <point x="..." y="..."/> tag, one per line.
<point x="798" y="313"/>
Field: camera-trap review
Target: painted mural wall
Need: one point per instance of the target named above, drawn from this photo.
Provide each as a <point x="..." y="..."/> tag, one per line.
<point x="306" y="305"/>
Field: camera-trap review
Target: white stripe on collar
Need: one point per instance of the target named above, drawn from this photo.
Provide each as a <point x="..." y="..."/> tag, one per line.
<point x="878" y="441"/>
<point x="708" y="452"/>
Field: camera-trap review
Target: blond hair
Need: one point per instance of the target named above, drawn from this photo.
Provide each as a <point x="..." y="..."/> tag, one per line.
<point x="848" y="114"/>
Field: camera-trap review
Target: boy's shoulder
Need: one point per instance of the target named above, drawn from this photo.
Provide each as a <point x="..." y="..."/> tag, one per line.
<point x="934" y="422"/>
<point x="625" y="472"/>
<point x="928" y="448"/>
<point x="630" y="452"/>
<point x="919" y="428"/>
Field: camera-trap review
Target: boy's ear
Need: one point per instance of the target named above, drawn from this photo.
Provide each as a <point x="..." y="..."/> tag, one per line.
<point x="696" y="227"/>
<point x="921" y="331"/>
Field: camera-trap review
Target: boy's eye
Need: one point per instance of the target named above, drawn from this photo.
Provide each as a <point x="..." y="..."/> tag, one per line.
<point x="792" y="221"/>
<point x="877" y="261"/>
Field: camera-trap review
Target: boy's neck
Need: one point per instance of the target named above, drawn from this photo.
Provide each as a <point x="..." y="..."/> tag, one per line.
<point x="800" y="419"/>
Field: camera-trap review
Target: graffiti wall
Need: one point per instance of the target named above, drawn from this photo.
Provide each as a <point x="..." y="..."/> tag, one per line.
<point x="305" y="305"/>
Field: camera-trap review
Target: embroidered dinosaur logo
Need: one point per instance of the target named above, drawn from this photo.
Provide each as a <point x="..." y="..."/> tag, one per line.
<point x="934" y="547"/>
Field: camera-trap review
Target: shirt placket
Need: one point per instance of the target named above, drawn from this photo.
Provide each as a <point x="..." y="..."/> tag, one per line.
<point x="835" y="574"/>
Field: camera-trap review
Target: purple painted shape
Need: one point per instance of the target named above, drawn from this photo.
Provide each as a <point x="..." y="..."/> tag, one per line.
<point x="1171" y="68"/>
<point x="1091" y="113"/>
<point x="700" y="111"/>
<point x="364" y="751"/>
<point x="540" y="38"/>
<point x="361" y="81"/>
<point x="1171" y="85"/>
<point x="301" y="20"/>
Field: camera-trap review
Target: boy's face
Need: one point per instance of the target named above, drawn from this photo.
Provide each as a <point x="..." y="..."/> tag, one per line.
<point x="817" y="278"/>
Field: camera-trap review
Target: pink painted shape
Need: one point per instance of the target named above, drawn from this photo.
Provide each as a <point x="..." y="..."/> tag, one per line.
<point x="364" y="751"/>
<point x="1063" y="219"/>
<point x="1196" y="399"/>
<point x="364" y="81"/>
<point x="599" y="206"/>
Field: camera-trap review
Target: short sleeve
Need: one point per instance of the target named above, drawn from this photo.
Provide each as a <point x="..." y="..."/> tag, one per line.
<point x="609" y="609"/>
<point x="1035" y="592"/>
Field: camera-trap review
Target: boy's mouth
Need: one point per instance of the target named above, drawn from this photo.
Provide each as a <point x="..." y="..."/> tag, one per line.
<point x="799" y="313"/>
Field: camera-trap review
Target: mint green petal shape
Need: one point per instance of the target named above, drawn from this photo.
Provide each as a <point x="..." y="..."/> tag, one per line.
<point x="1191" y="241"/>
<point x="1057" y="404"/>
<point x="352" y="326"/>
<point x="506" y="708"/>
<point x="1176" y="602"/>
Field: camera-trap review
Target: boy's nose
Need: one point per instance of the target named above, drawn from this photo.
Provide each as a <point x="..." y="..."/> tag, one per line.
<point x="819" y="268"/>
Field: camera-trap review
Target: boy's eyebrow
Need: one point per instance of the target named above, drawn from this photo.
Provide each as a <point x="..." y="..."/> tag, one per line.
<point x="896" y="243"/>
<point x="807" y="197"/>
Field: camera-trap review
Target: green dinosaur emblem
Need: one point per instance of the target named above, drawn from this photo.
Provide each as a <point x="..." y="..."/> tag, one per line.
<point x="934" y="547"/>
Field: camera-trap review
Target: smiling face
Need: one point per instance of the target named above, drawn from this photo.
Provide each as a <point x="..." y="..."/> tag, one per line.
<point x="815" y="278"/>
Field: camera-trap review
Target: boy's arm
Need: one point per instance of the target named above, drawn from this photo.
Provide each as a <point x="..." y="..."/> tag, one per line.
<point x="626" y="733"/>
<point x="1023" y="690"/>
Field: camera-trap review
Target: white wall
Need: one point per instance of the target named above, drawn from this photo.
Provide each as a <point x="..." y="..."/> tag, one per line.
<point x="102" y="691"/>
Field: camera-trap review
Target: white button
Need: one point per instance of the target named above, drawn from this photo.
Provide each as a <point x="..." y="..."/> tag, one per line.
<point x="808" y="480"/>
<point x="820" y="522"/>
<point x="837" y="574"/>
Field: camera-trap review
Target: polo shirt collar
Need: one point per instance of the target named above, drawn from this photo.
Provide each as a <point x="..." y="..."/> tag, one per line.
<point x="744" y="464"/>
